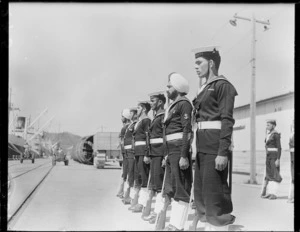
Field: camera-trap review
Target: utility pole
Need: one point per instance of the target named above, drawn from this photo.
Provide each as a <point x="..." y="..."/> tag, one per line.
<point x="11" y="114"/>
<point x="25" y="129"/>
<point x="11" y="120"/>
<point x="253" y="95"/>
<point x="110" y="143"/>
<point x="10" y="105"/>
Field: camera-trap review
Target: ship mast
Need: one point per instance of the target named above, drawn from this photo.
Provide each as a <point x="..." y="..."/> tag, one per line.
<point x="11" y="109"/>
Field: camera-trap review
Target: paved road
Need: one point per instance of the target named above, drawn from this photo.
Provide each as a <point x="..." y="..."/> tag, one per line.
<point x="79" y="197"/>
<point x="23" y="179"/>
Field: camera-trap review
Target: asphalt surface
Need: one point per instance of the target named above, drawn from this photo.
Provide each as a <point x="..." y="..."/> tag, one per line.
<point x="80" y="197"/>
<point x="23" y="179"/>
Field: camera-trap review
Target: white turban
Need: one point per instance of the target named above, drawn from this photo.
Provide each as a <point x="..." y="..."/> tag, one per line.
<point x="126" y="113"/>
<point x="179" y="83"/>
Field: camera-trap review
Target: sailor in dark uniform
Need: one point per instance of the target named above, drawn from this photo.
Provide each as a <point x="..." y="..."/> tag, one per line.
<point x="273" y="150"/>
<point x="292" y="146"/>
<point x="157" y="151"/>
<point x="129" y="155"/>
<point x="213" y="113"/>
<point x="178" y="132"/>
<point x="141" y="151"/>
<point x="125" y="117"/>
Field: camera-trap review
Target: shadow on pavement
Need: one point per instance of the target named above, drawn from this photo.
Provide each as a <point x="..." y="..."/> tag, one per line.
<point x="236" y="228"/>
<point x="200" y="228"/>
<point x="282" y="198"/>
<point x="110" y="168"/>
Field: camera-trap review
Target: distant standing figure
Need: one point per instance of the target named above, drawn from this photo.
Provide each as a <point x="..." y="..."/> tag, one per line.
<point x="292" y="145"/>
<point x="273" y="149"/>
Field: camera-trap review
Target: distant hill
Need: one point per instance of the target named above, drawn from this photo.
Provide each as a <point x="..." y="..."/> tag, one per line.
<point x="66" y="139"/>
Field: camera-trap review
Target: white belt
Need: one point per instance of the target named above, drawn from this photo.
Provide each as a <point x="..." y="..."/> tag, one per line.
<point x="157" y="140"/>
<point x="139" y="143"/>
<point x="128" y="146"/>
<point x="209" y="125"/>
<point x="291" y="149"/>
<point x="174" y="136"/>
<point x="272" y="149"/>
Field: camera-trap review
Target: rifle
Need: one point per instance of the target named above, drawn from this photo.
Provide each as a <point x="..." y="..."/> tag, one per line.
<point x="160" y="221"/>
<point x="148" y="142"/>
<point x="230" y="171"/>
<point x="165" y="140"/>
<point x="132" y="144"/>
<point x="230" y="157"/>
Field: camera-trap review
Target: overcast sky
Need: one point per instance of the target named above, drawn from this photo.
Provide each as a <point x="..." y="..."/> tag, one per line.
<point x="86" y="62"/>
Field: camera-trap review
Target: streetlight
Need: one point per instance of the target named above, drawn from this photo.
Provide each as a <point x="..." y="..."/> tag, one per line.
<point x="253" y="102"/>
<point x="233" y="22"/>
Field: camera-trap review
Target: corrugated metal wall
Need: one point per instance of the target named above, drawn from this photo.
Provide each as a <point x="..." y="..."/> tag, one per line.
<point x="106" y="141"/>
<point x="281" y="103"/>
<point x="280" y="108"/>
<point x="241" y="137"/>
<point x="111" y="154"/>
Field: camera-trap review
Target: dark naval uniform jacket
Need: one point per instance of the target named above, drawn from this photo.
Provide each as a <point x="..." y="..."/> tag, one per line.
<point x="292" y="146"/>
<point x="128" y="137"/>
<point x="139" y="134"/>
<point x="156" y="132"/>
<point x="273" y="150"/>
<point x="292" y="142"/>
<point x="178" y="119"/>
<point x="273" y="144"/>
<point x="215" y="102"/>
<point x="121" y="137"/>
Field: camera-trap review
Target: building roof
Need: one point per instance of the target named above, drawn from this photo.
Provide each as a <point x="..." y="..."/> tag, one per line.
<point x="291" y="93"/>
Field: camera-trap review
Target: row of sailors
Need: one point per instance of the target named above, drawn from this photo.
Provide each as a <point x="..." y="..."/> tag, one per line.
<point x="157" y="153"/>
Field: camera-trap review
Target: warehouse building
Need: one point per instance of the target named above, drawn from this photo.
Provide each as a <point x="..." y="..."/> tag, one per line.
<point x="108" y="143"/>
<point x="280" y="108"/>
